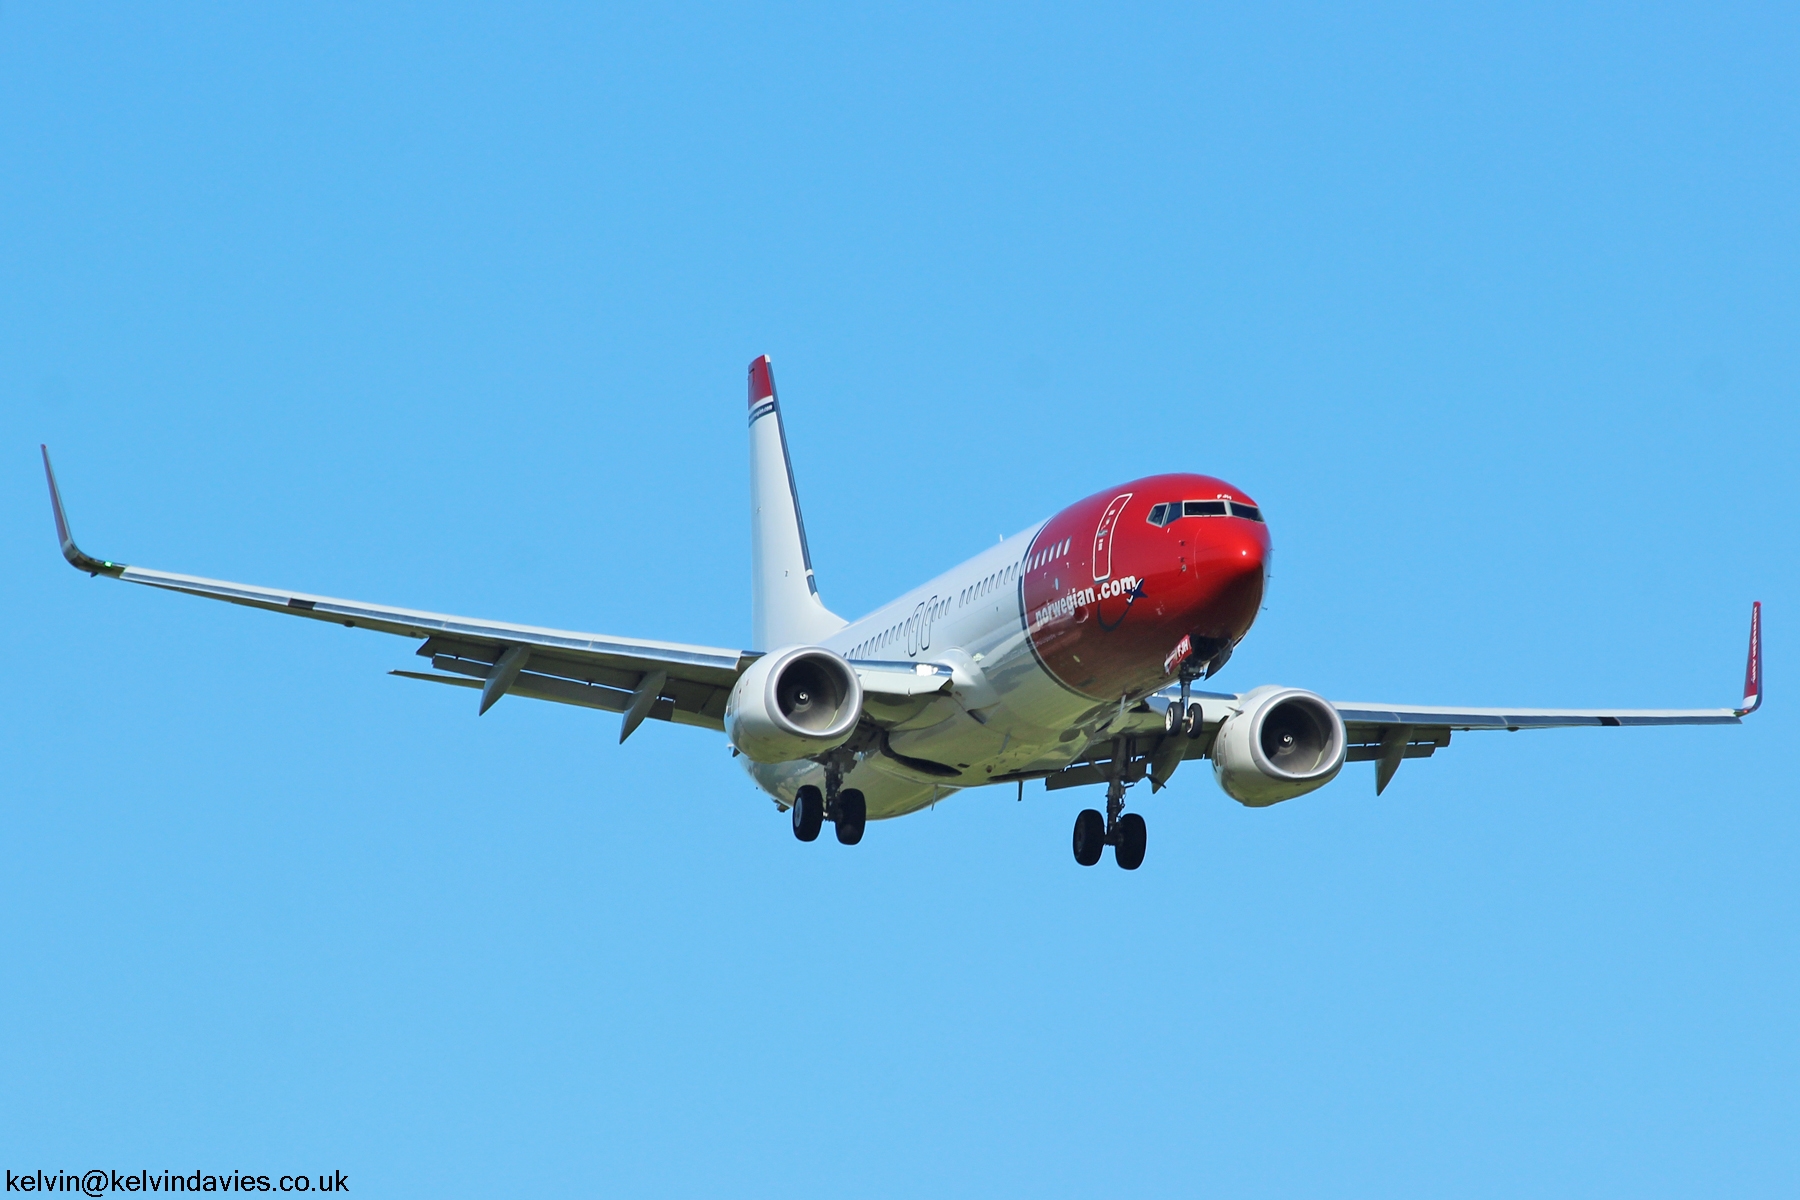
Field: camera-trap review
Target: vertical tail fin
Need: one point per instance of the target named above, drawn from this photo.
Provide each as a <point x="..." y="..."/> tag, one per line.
<point x="785" y="608"/>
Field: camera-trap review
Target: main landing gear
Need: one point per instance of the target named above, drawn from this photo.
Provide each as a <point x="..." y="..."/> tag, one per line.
<point x="1121" y="830"/>
<point x="844" y="807"/>
<point x="1127" y="837"/>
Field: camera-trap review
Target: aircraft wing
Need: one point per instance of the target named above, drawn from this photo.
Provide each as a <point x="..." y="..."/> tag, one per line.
<point x="640" y="678"/>
<point x="1385" y="734"/>
<point x="669" y="681"/>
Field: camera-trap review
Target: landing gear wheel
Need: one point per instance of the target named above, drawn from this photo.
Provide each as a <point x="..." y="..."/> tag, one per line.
<point x="1193" y="722"/>
<point x="808" y="812"/>
<point x="1090" y="836"/>
<point x="1172" y="723"/>
<point x="1129" y="853"/>
<point x="852" y="815"/>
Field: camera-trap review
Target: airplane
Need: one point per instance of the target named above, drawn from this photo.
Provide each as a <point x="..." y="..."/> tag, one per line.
<point x="1066" y="653"/>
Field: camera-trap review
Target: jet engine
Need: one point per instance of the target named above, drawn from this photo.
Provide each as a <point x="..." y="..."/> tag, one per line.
<point x="793" y="703"/>
<point x="1282" y="743"/>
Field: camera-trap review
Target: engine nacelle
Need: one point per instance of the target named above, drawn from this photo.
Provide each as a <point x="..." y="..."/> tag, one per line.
<point x="793" y="703"/>
<point x="1282" y="743"/>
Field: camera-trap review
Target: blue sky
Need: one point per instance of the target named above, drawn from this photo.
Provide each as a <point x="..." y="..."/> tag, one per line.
<point x="1493" y="310"/>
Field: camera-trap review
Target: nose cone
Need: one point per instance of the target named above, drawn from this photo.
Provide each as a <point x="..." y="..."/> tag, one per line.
<point x="1230" y="560"/>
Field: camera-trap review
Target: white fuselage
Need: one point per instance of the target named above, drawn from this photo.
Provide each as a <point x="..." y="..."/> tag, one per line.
<point x="1003" y="714"/>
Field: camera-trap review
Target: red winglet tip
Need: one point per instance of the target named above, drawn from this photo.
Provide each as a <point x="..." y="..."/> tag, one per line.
<point x="1753" y="681"/>
<point x="762" y="381"/>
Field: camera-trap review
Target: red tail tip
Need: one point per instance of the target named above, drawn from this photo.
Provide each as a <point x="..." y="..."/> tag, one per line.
<point x="762" y="381"/>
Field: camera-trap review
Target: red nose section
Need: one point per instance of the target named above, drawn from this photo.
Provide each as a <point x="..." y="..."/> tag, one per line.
<point x="1114" y="584"/>
<point x="1228" y="565"/>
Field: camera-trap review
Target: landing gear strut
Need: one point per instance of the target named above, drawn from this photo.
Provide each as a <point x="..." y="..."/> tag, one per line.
<point x="1121" y="830"/>
<point x="1182" y="717"/>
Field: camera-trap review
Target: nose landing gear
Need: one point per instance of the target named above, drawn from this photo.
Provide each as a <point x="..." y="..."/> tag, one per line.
<point x="1182" y="717"/>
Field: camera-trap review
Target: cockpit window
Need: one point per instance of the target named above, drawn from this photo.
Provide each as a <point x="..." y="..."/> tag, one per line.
<point x="1174" y="510"/>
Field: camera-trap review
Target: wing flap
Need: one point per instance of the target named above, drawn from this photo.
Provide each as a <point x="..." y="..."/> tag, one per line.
<point x="684" y="701"/>
<point x="562" y="691"/>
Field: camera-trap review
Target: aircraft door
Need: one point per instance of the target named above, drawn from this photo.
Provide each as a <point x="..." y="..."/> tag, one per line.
<point x="1103" y="537"/>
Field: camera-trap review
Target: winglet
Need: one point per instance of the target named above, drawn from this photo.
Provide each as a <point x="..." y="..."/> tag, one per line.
<point x="72" y="552"/>
<point x="1753" y="683"/>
